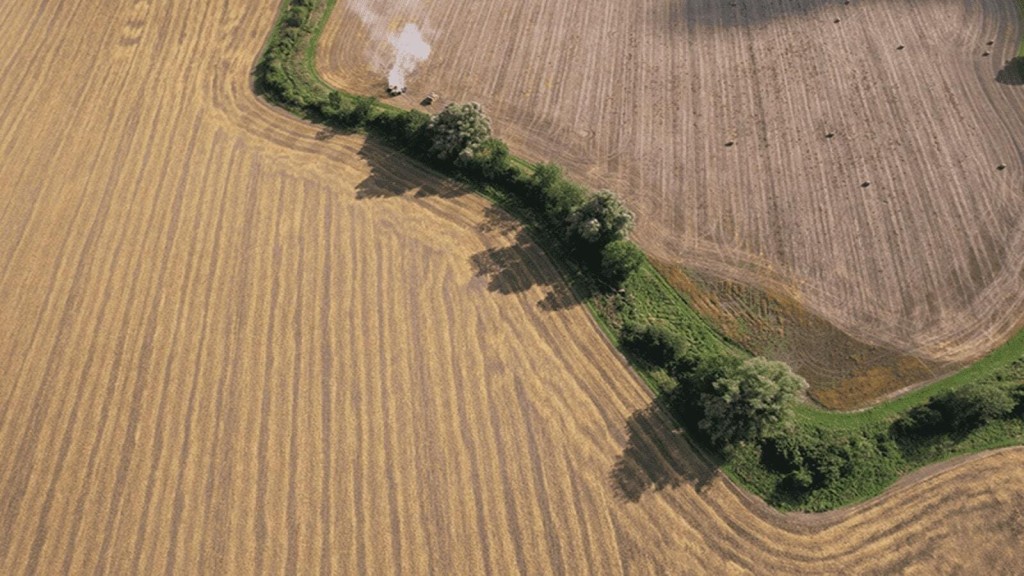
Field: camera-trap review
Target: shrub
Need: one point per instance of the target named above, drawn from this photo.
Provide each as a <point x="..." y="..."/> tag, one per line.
<point x="972" y="406"/>
<point x="458" y="132"/>
<point x="332" y="106"/>
<point x="561" y="199"/>
<point x="491" y="162"/>
<point x="297" y="16"/>
<point x="661" y="381"/>
<point x="956" y="412"/>
<point x="359" y="115"/>
<point x="600" y="220"/>
<point x="655" y="343"/>
<point x="544" y="177"/>
<point x="754" y="402"/>
<point x="406" y="128"/>
<point x="619" y="259"/>
<point x="1018" y="396"/>
<point x="918" y="423"/>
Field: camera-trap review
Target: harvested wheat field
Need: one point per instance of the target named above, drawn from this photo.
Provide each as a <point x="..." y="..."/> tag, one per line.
<point x="234" y="344"/>
<point x="844" y="155"/>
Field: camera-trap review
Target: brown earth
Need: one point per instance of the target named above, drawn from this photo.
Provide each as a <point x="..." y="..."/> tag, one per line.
<point x="712" y="117"/>
<point x="234" y="344"/>
<point x="844" y="374"/>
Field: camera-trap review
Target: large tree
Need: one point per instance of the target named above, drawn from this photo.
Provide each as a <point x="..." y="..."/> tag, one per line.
<point x="751" y="403"/>
<point x="602" y="219"/>
<point x="457" y="132"/>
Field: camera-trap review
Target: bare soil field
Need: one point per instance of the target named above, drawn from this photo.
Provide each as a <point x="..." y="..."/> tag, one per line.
<point x="842" y="155"/>
<point x="234" y="344"/>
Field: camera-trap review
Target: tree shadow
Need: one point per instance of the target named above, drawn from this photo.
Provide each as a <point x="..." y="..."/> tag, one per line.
<point x="657" y="456"/>
<point x="506" y="269"/>
<point x="509" y="269"/>
<point x="1013" y="73"/>
<point x="394" y="173"/>
<point x="733" y="13"/>
<point x="518" y="267"/>
<point x="327" y="133"/>
<point x="559" y="297"/>
<point x="497" y="220"/>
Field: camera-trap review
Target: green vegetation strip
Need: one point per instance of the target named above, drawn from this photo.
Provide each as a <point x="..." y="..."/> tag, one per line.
<point x="736" y="406"/>
<point x="998" y="362"/>
<point x="1020" y="15"/>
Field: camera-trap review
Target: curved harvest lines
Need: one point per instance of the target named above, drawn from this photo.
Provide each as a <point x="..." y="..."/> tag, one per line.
<point x="232" y="346"/>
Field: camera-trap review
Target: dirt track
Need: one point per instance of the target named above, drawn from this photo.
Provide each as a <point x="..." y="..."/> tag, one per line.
<point x="711" y="118"/>
<point x="231" y="346"/>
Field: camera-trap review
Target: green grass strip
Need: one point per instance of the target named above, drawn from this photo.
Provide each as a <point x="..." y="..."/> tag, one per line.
<point x="984" y="369"/>
<point x="1020" y="15"/>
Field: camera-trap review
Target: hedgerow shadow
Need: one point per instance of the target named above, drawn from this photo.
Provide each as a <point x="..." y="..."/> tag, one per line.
<point x="657" y="456"/>
<point x="724" y="13"/>
<point x="519" y="266"/>
<point x="394" y="173"/>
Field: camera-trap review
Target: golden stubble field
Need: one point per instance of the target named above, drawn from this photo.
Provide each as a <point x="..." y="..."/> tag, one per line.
<point x="712" y="119"/>
<point x="233" y="344"/>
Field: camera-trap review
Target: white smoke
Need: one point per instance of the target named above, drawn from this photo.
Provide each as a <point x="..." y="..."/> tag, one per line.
<point x="410" y="50"/>
<point x="397" y="52"/>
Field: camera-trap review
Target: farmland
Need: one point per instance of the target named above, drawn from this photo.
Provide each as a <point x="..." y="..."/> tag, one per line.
<point x="235" y="342"/>
<point x="713" y="119"/>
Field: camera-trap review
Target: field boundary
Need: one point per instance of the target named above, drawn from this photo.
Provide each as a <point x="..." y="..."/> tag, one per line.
<point x="870" y="458"/>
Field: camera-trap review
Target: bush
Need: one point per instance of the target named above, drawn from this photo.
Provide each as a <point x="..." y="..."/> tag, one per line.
<point x="332" y="106"/>
<point x="754" y="402"/>
<point x="823" y="461"/>
<point x="544" y="177"/>
<point x="619" y="259"/>
<point x="919" y="423"/>
<point x="491" y="162"/>
<point x="360" y="113"/>
<point x="406" y="128"/>
<point x="971" y="406"/>
<point x="655" y="343"/>
<point x="297" y="16"/>
<point x="956" y="412"/>
<point x="561" y="199"/>
<point x="458" y="132"/>
<point x="661" y="381"/>
<point x="548" y="191"/>
<point x="602" y="219"/>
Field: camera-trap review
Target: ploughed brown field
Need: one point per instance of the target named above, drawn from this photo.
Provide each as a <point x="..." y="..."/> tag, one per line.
<point x="742" y="134"/>
<point x="235" y="344"/>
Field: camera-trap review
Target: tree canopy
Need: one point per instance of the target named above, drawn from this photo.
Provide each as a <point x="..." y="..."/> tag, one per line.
<point x="619" y="259"/>
<point x="602" y="219"/>
<point x="751" y="403"/>
<point x="458" y="132"/>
